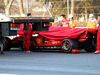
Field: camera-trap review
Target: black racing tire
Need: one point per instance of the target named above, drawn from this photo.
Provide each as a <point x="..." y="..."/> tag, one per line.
<point x="33" y="48"/>
<point x="21" y="45"/>
<point x="91" y="49"/>
<point x="69" y="44"/>
<point x="7" y="44"/>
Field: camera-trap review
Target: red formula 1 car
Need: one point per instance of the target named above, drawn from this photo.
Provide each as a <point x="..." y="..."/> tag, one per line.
<point x="46" y="36"/>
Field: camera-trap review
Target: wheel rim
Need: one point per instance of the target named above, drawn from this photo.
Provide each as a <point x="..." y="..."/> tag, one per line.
<point x="66" y="46"/>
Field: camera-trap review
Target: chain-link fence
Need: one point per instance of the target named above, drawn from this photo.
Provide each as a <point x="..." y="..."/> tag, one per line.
<point x="82" y="8"/>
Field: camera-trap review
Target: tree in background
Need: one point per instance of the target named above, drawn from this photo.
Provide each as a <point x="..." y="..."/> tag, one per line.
<point x="83" y="7"/>
<point x="8" y="4"/>
<point x="21" y="7"/>
<point x="58" y="7"/>
<point x="72" y="7"/>
<point x="96" y="7"/>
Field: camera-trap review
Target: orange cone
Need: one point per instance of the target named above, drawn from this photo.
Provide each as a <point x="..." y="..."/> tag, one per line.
<point x="75" y="51"/>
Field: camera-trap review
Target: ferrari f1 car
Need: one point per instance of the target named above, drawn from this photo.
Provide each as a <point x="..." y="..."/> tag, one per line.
<point x="48" y="37"/>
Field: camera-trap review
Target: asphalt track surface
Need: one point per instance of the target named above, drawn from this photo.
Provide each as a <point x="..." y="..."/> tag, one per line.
<point x="49" y="63"/>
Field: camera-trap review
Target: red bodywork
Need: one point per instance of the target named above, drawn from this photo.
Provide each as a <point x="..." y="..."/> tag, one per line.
<point x="55" y="36"/>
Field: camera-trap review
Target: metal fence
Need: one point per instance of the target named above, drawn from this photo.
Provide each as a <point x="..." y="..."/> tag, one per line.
<point x="82" y="8"/>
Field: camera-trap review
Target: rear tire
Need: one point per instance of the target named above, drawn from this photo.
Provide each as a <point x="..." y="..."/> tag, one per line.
<point x="91" y="49"/>
<point x="69" y="44"/>
<point x="7" y="43"/>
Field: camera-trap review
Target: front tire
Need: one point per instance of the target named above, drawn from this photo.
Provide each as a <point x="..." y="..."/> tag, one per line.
<point x="69" y="44"/>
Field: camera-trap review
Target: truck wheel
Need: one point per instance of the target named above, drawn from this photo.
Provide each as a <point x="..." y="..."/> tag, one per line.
<point x="69" y="44"/>
<point x="7" y="43"/>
